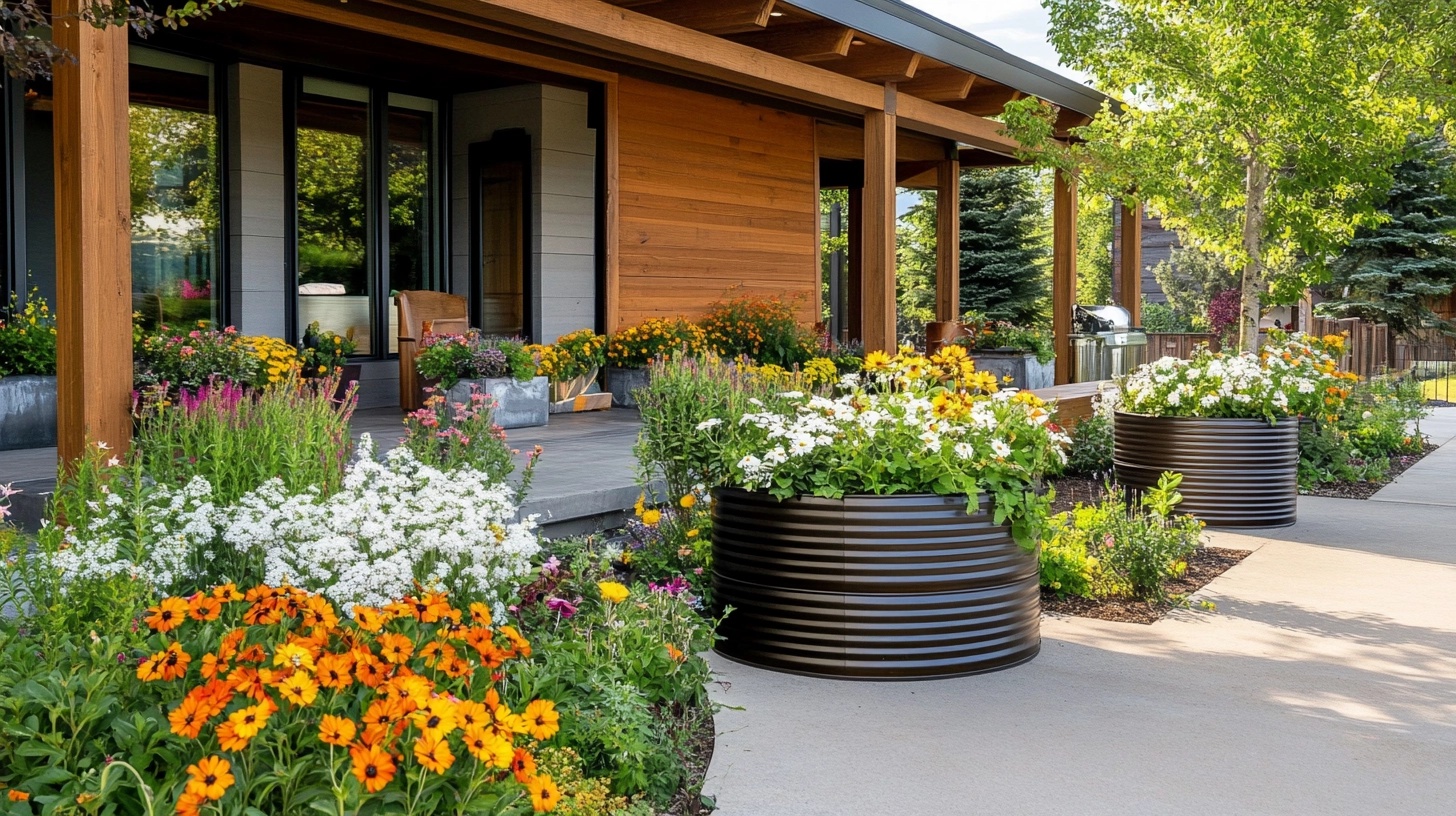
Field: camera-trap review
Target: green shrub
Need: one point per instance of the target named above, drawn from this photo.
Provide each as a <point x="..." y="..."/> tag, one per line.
<point x="28" y="338"/>
<point x="763" y="329"/>
<point x="451" y="358"/>
<point x="1113" y="549"/>
<point x="1092" y="443"/>
<point x="1356" y="444"/>
<point x="1160" y="317"/>
<point x="988" y="334"/>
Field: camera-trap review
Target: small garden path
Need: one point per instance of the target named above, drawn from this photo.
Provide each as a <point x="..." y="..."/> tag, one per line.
<point x="1433" y="479"/>
<point x="1325" y="682"/>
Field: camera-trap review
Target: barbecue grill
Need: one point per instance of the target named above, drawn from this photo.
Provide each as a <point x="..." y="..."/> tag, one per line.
<point x="1105" y="344"/>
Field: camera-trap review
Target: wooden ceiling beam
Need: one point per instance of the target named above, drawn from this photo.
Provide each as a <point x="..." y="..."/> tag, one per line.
<point x="986" y="98"/>
<point x="939" y="84"/>
<point x="805" y="42"/>
<point x="876" y="62"/>
<point x="718" y="17"/>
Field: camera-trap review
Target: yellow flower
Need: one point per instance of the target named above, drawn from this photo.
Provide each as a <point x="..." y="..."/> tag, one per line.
<point x="299" y="689"/>
<point x="544" y="793"/>
<point x="651" y="517"/>
<point x="876" y="361"/>
<point x="693" y="533"/>
<point x="687" y="501"/>
<point x="613" y="591"/>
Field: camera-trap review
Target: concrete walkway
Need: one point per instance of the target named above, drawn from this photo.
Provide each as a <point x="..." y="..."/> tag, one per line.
<point x="1325" y="683"/>
<point x="1433" y="480"/>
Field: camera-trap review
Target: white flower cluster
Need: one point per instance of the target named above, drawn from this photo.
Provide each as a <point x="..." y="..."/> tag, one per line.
<point x="1211" y="385"/>
<point x="392" y="524"/>
<point x="157" y="537"/>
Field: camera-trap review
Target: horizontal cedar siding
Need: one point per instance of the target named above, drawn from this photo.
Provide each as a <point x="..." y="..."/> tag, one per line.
<point x="714" y="195"/>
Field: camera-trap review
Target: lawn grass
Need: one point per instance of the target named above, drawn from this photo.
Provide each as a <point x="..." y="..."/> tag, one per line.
<point x="1443" y="388"/>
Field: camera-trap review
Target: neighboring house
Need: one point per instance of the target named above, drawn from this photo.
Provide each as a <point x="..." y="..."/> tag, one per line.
<point x="1157" y="246"/>
<point x="562" y="163"/>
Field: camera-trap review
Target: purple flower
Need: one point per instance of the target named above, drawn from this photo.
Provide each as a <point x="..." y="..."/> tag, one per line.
<point x="677" y="586"/>
<point x="561" y="606"/>
<point x="551" y="567"/>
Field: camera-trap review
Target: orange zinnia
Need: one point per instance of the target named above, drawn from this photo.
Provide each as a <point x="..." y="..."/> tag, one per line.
<point x="433" y="753"/>
<point x="210" y="777"/>
<point x="373" y="766"/>
<point x="167" y="615"/>
<point x="336" y="730"/>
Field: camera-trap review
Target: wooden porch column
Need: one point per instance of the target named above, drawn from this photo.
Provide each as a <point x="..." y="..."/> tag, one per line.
<point x="948" y="240"/>
<point x="1064" y="271"/>
<point x="1131" y="270"/>
<point x="93" y="235"/>
<point x="877" y="258"/>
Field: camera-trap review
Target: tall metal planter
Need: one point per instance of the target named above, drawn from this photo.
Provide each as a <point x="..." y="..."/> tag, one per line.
<point x="871" y="587"/>
<point x="1236" y="472"/>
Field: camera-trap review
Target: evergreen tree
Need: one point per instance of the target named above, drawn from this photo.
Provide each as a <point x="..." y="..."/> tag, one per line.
<point x="1003" y="249"/>
<point x="915" y="269"/>
<point x="1391" y="273"/>
<point x="1094" y="249"/>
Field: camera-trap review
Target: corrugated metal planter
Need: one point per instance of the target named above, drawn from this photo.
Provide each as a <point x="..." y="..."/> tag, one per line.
<point x="27" y="412"/>
<point x="1236" y="472"/>
<point x="871" y="587"/>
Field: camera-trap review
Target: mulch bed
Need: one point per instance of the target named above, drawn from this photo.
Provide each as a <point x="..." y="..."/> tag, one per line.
<point x="1364" y="490"/>
<point x="1076" y="489"/>
<point x="1204" y="565"/>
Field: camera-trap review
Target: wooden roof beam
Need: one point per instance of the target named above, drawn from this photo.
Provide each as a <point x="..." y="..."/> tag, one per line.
<point x="876" y="62"/>
<point x="939" y="84"/>
<point x="986" y="98"/>
<point x="718" y="17"/>
<point x="805" y="42"/>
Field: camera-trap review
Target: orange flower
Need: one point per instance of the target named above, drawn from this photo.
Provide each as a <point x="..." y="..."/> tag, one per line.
<point x="336" y="730"/>
<point x="436" y="718"/>
<point x="411" y="690"/>
<point x="429" y="609"/>
<point x="675" y="653"/>
<point x="368" y="618"/>
<point x="228" y="737"/>
<point x="212" y="666"/>
<point x="252" y="682"/>
<point x="167" y="615"/>
<point x="370" y="671"/>
<point x="17" y="795"/>
<point x="333" y="671"/>
<point x="247" y="722"/>
<point x="395" y="648"/>
<point x="210" y="777"/>
<point x="434" y="753"/>
<point x="542" y="719"/>
<point x="518" y="643"/>
<point x="165" y="665"/>
<point x="204" y="608"/>
<point x="379" y="717"/>
<point x="456" y="667"/>
<point x="188" y="718"/>
<point x="472" y="714"/>
<point x="480" y="614"/>
<point x="227" y="592"/>
<point x="299" y="688"/>
<point x="544" y="794"/>
<point x="372" y="766"/>
<point x="190" y="804"/>
<point x="488" y="748"/>
<point x="523" y="765"/>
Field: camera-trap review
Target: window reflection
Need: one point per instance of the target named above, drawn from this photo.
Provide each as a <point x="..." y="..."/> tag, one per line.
<point x="333" y="270"/>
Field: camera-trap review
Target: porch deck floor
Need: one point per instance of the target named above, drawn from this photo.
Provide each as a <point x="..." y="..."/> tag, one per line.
<point x="584" y="481"/>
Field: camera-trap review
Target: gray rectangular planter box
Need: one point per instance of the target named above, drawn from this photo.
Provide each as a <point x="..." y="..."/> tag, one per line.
<point x="27" y="412"/>
<point x="623" y="382"/>
<point x="1021" y="366"/>
<point x="522" y="404"/>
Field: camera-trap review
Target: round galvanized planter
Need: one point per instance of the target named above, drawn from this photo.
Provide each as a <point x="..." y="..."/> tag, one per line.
<point x="1236" y="472"/>
<point x="871" y="587"/>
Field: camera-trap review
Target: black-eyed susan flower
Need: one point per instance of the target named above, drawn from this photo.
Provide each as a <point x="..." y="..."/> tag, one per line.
<point x="544" y="793"/>
<point x="210" y="777"/>
<point x="433" y="753"/>
<point x="372" y="766"/>
<point x="488" y="747"/>
<point x="167" y="615"/>
<point x="336" y="730"/>
<point x="542" y="719"/>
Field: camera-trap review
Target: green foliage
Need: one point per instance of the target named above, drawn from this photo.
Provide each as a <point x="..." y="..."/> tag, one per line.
<point x="1160" y="317"/>
<point x="628" y="676"/>
<point x="169" y="360"/>
<point x="1094" y="249"/>
<point x="448" y="436"/>
<point x="323" y="352"/>
<point x="1091" y="452"/>
<point x="1112" y="548"/>
<point x="451" y="358"/>
<point x="239" y="439"/>
<point x="1228" y="130"/>
<point x="582" y="795"/>
<point x="1391" y="273"/>
<point x="1004" y="263"/>
<point x="1190" y="280"/>
<point x="915" y="269"/>
<point x="28" y="337"/>
<point x="1356" y="444"/>
<point x="987" y="334"/>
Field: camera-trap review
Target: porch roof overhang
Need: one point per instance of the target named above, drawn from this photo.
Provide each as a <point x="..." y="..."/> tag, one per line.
<point x="839" y="56"/>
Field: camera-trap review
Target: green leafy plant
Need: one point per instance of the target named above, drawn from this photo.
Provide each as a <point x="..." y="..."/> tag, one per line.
<point x="986" y="334"/>
<point x="1092" y="442"/>
<point x="28" y="337"/>
<point x="763" y="329"/>
<point x="324" y="352"/>
<point x="451" y="358"/>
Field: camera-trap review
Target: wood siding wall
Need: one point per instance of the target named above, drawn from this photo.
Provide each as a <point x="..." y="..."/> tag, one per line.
<point x="715" y="195"/>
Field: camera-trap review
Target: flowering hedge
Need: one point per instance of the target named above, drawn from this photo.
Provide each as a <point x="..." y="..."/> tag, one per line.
<point x="1294" y="375"/>
<point x="908" y="424"/>
<point x="636" y="346"/>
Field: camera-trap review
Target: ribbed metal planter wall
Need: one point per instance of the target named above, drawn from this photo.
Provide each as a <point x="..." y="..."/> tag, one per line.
<point x="1236" y="472"/>
<point x="871" y="587"/>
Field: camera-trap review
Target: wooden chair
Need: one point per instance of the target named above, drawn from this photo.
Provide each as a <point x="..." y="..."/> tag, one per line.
<point x="446" y="313"/>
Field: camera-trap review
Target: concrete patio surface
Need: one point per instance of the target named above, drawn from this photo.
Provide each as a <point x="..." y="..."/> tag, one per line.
<point x="1324" y="683"/>
<point x="1433" y="480"/>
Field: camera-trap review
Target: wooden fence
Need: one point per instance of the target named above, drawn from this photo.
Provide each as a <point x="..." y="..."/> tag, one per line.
<point x="1180" y="345"/>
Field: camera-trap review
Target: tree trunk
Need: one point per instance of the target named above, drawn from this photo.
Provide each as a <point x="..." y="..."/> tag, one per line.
<point x="1256" y="188"/>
